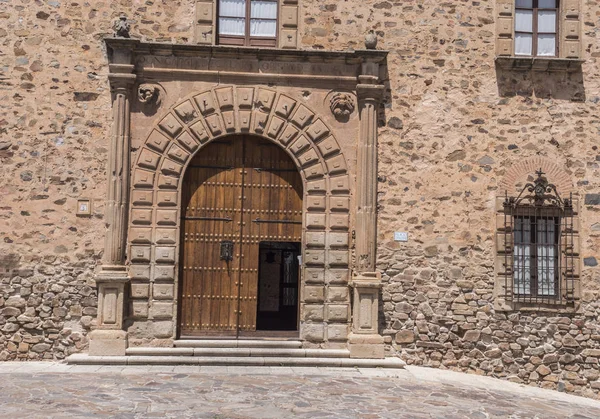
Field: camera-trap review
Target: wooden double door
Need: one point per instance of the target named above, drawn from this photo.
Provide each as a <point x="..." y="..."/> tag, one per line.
<point x="240" y="195"/>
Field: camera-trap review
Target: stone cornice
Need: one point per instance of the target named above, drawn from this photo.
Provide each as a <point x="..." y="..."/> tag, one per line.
<point x="270" y="54"/>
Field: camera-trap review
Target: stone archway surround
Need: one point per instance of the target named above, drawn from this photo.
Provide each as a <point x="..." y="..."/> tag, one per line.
<point x="154" y="221"/>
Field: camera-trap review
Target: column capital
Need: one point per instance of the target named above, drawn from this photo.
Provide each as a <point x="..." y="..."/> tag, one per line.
<point x="373" y="92"/>
<point x="121" y="81"/>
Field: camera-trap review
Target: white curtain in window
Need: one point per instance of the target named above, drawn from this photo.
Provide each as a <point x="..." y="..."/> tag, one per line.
<point x="523" y="44"/>
<point x="547" y="4"/>
<point x="524" y="21"/>
<point x="522" y="256"/>
<point x="232" y="8"/>
<point x="524" y="3"/>
<point x="546" y="263"/>
<point x="547" y="45"/>
<point x="262" y="9"/>
<point x="522" y="269"/>
<point x="263" y="28"/>
<point x="232" y="26"/>
<point x="546" y="21"/>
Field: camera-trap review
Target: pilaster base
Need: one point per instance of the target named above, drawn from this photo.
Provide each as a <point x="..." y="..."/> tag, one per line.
<point x="108" y="342"/>
<point x="366" y="346"/>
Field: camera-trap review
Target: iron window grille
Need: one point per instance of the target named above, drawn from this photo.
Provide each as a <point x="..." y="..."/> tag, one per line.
<point x="539" y="240"/>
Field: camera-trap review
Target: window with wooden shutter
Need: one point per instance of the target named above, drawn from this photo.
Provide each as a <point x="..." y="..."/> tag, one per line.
<point x="258" y="23"/>
<point x="540" y="29"/>
<point x="247" y="22"/>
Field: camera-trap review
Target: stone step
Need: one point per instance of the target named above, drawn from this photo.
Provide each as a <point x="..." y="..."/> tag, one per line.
<point x="83" y="359"/>
<point x="238" y="343"/>
<point x="241" y="352"/>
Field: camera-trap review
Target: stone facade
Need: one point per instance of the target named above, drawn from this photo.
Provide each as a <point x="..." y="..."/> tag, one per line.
<point x="452" y="125"/>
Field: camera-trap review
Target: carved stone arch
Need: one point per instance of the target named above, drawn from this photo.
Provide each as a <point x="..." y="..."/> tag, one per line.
<point x="518" y="174"/>
<point x="156" y="195"/>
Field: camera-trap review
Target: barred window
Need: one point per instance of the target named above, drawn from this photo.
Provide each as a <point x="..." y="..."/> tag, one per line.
<point x="539" y="245"/>
<point x="248" y="22"/>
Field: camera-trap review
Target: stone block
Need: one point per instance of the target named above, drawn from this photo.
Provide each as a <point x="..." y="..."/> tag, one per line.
<point x="163" y="291"/>
<point x="312" y="332"/>
<point x="139" y="309"/>
<point x="162" y="329"/>
<point x="107" y="343"/>
<point x="338" y="294"/>
<point x="314" y="276"/>
<point x="160" y="310"/>
<point x="140" y="290"/>
<point x="314" y="294"/>
<point x="366" y="346"/>
<point x="337" y="276"/>
<point x="158" y="141"/>
<point x="313" y="312"/>
<point x="338" y="312"/>
<point x="289" y="134"/>
<point x="337" y="332"/>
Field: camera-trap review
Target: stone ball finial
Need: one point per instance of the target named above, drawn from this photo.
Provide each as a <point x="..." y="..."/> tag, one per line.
<point x="122" y="27"/>
<point x="371" y="40"/>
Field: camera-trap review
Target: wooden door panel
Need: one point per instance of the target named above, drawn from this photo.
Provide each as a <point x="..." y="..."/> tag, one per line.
<point x="245" y="190"/>
<point x="209" y="289"/>
<point x="272" y="212"/>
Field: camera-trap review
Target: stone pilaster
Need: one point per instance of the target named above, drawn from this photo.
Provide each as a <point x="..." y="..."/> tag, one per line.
<point x="109" y="338"/>
<point x="365" y="341"/>
<point x="369" y="97"/>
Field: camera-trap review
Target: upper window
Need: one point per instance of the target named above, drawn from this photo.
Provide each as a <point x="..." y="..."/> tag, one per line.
<point x="248" y="22"/>
<point x="536" y="28"/>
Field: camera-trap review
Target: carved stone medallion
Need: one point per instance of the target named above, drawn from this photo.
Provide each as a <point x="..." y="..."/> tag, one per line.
<point x="342" y="105"/>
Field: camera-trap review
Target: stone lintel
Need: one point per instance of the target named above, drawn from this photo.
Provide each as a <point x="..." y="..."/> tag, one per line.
<point x="107" y="342"/>
<point x="225" y="51"/>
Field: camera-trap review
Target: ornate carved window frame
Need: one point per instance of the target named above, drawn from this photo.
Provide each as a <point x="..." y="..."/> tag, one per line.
<point x="570" y="52"/>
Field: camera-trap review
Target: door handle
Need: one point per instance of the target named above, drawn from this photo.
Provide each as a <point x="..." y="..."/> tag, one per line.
<point x="227" y="250"/>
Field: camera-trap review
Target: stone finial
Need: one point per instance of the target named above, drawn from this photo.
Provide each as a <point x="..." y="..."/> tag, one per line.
<point x="122" y="27"/>
<point x="371" y="40"/>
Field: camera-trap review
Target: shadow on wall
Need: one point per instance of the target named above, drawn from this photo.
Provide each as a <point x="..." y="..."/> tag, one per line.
<point x="542" y="85"/>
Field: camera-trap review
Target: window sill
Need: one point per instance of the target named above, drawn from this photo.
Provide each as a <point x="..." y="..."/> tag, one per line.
<point x="541" y="64"/>
<point x="502" y="305"/>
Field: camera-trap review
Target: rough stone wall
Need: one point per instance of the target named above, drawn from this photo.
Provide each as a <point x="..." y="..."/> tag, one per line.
<point x="54" y="133"/>
<point x="452" y="126"/>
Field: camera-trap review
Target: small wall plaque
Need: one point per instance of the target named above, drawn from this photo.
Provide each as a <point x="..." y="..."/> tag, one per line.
<point x="84" y="207"/>
<point x="400" y="236"/>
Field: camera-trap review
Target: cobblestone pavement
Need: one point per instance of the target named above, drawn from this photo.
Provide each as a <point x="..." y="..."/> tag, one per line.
<point x="54" y="390"/>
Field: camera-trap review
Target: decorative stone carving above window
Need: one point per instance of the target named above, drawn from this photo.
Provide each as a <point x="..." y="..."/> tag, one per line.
<point x="530" y="54"/>
<point x="286" y="27"/>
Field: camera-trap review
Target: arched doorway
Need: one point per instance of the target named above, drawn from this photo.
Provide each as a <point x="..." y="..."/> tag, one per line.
<point x="241" y="233"/>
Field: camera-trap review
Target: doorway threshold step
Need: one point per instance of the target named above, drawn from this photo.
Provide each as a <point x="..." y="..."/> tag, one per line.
<point x="83" y="359"/>
<point x="238" y="343"/>
<point x="241" y="352"/>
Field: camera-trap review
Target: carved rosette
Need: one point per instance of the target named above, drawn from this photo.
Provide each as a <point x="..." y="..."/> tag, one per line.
<point x="342" y="105"/>
<point x="149" y="94"/>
